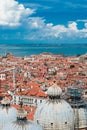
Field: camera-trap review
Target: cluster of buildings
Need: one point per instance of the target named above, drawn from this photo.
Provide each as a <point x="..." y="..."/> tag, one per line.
<point x="43" y="83"/>
<point x="52" y="114"/>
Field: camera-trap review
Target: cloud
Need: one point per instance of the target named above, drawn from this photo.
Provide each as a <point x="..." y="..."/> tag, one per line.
<point x="37" y="6"/>
<point x="86" y="25"/>
<point x="35" y="23"/>
<point x="73" y="26"/>
<point x="81" y="20"/>
<point x="76" y="5"/>
<point x="11" y="12"/>
<point x="48" y="31"/>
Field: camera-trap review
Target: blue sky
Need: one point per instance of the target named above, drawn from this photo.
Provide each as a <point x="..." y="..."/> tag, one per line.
<point x="43" y="21"/>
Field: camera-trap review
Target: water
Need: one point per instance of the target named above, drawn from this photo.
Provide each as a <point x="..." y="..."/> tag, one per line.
<point x="34" y="49"/>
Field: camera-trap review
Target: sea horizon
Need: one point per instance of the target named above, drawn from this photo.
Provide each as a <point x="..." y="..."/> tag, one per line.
<point x="26" y="49"/>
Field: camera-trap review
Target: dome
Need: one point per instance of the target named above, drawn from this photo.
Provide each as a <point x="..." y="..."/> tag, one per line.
<point x="54" y="90"/>
<point x="21" y="123"/>
<point x="55" y="113"/>
<point x="7" y="113"/>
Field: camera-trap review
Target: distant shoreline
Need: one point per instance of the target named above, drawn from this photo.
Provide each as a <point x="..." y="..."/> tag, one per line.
<point x="35" y="49"/>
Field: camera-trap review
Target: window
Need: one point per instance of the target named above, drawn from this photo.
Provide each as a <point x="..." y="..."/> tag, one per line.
<point x="65" y="122"/>
<point x="37" y="121"/>
<point x="85" y="92"/>
<point x="32" y="100"/>
<point x="35" y="100"/>
<point x="40" y="101"/>
<point x="51" y="124"/>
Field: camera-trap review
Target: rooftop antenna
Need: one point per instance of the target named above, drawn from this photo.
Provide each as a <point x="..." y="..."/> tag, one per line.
<point x="14" y="78"/>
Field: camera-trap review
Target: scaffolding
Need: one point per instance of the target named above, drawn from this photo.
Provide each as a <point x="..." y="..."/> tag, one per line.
<point x="74" y="97"/>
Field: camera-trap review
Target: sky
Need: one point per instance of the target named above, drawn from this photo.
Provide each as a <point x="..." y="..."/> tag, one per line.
<point x="43" y="21"/>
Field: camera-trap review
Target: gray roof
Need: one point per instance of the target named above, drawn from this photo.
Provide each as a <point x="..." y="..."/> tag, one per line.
<point x="20" y="122"/>
<point x="7" y="114"/>
<point x="22" y="125"/>
<point x="55" y="115"/>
